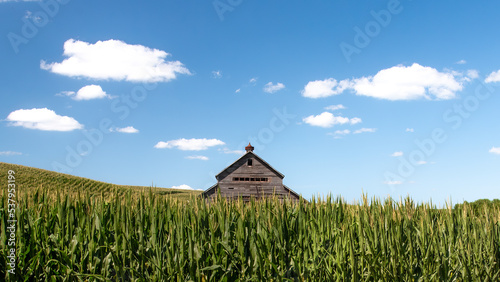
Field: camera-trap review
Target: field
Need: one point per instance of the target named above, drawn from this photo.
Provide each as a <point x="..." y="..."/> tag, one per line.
<point x="29" y="179"/>
<point x="132" y="234"/>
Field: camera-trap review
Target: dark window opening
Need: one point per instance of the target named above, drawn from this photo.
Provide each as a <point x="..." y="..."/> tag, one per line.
<point x="258" y="179"/>
<point x="230" y="188"/>
<point x="249" y="162"/>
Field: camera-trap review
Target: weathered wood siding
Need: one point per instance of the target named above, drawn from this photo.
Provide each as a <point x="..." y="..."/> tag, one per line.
<point x="247" y="189"/>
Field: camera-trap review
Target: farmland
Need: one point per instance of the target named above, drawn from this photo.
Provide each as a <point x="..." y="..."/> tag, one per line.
<point x="131" y="234"/>
<point x="29" y="179"/>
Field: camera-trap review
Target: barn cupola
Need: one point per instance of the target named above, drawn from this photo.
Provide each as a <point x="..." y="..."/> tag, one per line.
<point x="249" y="148"/>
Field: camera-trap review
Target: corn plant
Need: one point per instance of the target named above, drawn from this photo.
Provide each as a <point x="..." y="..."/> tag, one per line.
<point x="79" y="237"/>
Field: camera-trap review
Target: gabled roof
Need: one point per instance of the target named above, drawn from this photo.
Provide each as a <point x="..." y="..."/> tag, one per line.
<point x="251" y="154"/>
<point x="292" y="192"/>
<point x="208" y="190"/>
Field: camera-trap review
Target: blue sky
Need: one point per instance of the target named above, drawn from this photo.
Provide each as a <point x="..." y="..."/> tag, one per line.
<point x="343" y="97"/>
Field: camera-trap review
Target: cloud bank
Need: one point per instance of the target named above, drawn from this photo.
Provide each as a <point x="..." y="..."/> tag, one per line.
<point x="396" y="83"/>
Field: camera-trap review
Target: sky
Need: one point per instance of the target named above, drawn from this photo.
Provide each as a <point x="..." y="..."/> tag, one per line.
<point x="388" y="98"/>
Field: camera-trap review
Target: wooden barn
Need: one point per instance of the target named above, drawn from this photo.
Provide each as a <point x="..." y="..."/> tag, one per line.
<point x="250" y="176"/>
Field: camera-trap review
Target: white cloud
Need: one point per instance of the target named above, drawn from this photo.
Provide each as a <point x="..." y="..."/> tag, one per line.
<point x="493" y="77"/>
<point x="228" y="151"/>
<point x="355" y="120"/>
<point x="393" y="182"/>
<point x="461" y="62"/>
<point x="339" y="133"/>
<point x="395" y="83"/>
<point x="10" y="153"/>
<point x="410" y="130"/>
<point x="271" y="88"/>
<point x="253" y="80"/>
<point x="217" y="74"/>
<point x="421" y="162"/>
<point x="342" y="132"/>
<point x="66" y="93"/>
<point x="115" y="60"/>
<point x="88" y="92"/>
<point x="237" y="90"/>
<point x="203" y="158"/>
<point x="472" y="74"/>
<point x="495" y="150"/>
<point x="327" y="119"/>
<point x="397" y="154"/>
<point x="335" y="107"/>
<point x="128" y="129"/>
<point x="325" y="88"/>
<point x="189" y="144"/>
<point x="467" y="77"/>
<point x="42" y="119"/>
<point x="363" y="130"/>
<point x="183" y="186"/>
<point x="408" y="83"/>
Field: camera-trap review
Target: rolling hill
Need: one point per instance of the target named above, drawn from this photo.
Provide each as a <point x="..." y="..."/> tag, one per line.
<point x="29" y="179"/>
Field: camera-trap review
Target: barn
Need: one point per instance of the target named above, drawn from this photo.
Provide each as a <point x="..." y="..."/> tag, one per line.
<point x="250" y="176"/>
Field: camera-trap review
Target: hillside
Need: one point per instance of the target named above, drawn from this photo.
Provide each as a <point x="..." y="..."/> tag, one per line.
<point x="29" y="179"/>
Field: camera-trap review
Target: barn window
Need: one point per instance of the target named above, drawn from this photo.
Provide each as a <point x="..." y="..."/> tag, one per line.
<point x="249" y="162"/>
<point x="230" y="188"/>
<point x="259" y="179"/>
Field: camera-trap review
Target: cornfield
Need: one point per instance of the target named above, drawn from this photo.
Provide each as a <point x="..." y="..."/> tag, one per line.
<point x="29" y="179"/>
<point x="151" y="238"/>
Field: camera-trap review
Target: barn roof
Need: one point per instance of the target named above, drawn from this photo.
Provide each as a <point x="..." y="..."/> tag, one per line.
<point x="250" y="153"/>
<point x="291" y="191"/>
<point x="208" y="190"/>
